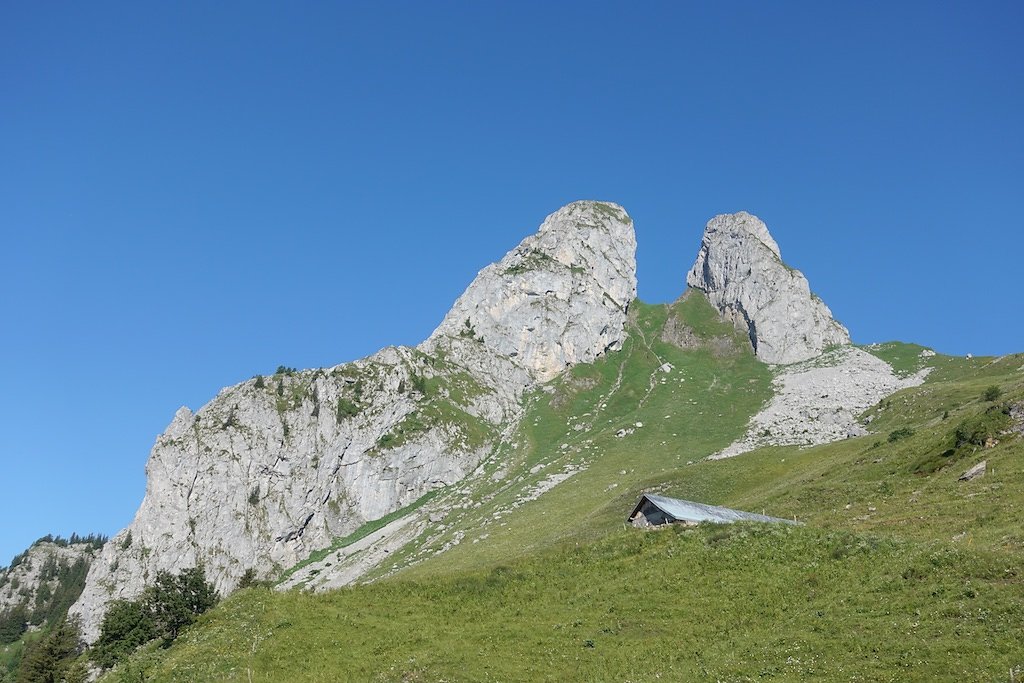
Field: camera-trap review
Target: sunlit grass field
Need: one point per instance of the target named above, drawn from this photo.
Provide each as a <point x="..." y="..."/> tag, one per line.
<point x="900" y="571"/>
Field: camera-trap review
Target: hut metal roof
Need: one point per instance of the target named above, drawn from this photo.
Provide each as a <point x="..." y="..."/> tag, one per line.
<point x="689" y="511"/>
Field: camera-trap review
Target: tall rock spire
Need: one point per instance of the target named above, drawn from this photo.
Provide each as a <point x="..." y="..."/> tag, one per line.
<point x="559" y="298"/>
<point x="740" y="269"/>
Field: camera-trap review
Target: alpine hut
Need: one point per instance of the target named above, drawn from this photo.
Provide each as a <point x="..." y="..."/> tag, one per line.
<point x="654" y="510"/>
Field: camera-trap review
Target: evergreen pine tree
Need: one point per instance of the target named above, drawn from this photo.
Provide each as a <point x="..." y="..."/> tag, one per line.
<point x="126" y="625"/>
<point x="48" y="660"/>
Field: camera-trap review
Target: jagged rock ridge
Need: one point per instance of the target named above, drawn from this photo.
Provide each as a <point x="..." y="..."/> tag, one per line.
<point x="276" y="467"/>
<point x="740" y="269"/>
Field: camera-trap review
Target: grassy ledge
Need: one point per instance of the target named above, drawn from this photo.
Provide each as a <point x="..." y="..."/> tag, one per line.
<point x="359" y="534"/>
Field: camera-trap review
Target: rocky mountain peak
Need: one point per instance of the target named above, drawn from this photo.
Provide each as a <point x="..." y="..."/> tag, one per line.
<point x="740" y="226"/>
<point x="740" y="269"/>
<point x="279" y="466"/>
<point x="557" y="299"/>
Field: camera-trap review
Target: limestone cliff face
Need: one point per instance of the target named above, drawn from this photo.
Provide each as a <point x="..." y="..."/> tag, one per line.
<point x="276" y="467"/>
<point x="740" y="269"/>
<point x="557" y="299"/>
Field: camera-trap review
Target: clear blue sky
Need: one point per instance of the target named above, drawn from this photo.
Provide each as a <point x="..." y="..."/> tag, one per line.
<point x="193" y="193"/>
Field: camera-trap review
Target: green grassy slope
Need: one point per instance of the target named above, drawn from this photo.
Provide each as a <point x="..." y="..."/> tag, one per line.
<point x="696" y="408"/>
<point x="902" y="572"/>
<point x="735" y="603"/>
<point x="905" y="486"/>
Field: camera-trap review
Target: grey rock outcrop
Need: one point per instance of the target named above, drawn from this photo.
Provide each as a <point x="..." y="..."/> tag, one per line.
<point x="40" y="569"/>
<point x="740" y="269"/>
<point x="557" y="299"/>
<point x="277" y="467"/>
<point x="819" y="401"/>
<point x="974" y="472"/>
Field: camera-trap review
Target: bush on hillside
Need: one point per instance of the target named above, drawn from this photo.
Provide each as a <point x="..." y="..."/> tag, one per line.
<point x="251" y="580"/>
<point x="992" y="394"/>
<point x="971" y="433"/>
<point x="345" y="408"/>
<point x="127" y="625"/>
<point x="901" y="433"/>
<point x="162" y="611"/>
<point x="978" y="429"/>
<point x="176" y="601"/>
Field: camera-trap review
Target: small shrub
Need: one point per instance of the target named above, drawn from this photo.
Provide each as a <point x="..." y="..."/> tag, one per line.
<point x="250" y="580"/>
<point x="345" y="408"/>
<point x="259" y="383"/>
<point x="469" y="332"/>
<point x="901" y="433"/>
<point x="978" y="429"/>
<point x="992" y="394"/>
<point x="254" y="495"/>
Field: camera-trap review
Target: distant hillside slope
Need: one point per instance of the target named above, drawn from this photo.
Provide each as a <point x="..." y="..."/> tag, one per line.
<point x="903" y="570"/>
<point x="36" y="591"/>
<point x="42" y="582"/>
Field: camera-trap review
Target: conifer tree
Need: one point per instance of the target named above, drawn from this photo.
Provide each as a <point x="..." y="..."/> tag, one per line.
<point x="49" y="660"/>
